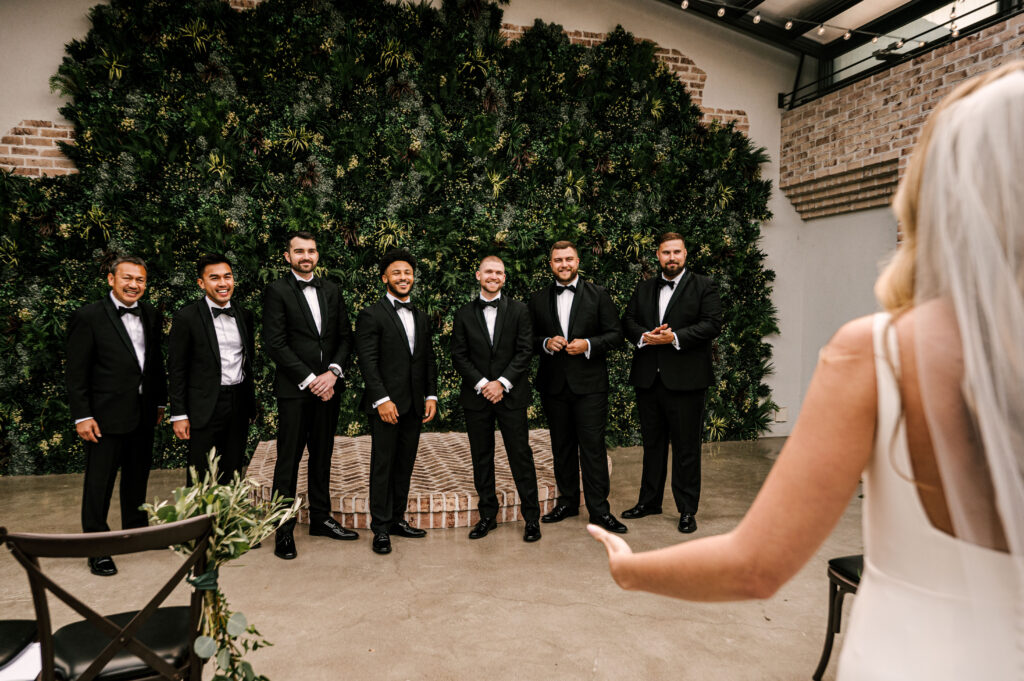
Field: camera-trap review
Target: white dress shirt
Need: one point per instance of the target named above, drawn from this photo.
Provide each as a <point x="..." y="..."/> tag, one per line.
<point x="309" y="293"/>
<point x="563" y="307"/>
<point x="408" y="320"/>
<point x="229" y="341"/>
<point x="664" y="296"/>
<point x="491" y="318"/>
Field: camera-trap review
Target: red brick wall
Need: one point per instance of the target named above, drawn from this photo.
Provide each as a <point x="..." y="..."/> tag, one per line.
<point x="30" y="148"/>
<point x="846" y="151"/>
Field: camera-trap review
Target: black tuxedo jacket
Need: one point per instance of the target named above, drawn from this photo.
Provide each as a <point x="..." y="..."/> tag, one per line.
<point x="103" y="374"/>
<point x="694" y="313"/>
<point x="291" y="338"/>
<point x="193" y="362"/>
<point x="388" y="368"/>
<point x="474" y="357"/>
<point x="593" y="316"/>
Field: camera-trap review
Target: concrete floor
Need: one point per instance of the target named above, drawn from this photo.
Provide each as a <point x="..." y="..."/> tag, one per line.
<point x="447" y="608"/>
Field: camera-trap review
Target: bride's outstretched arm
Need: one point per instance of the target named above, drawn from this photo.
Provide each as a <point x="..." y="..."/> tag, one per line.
<point x="801" y="500"/>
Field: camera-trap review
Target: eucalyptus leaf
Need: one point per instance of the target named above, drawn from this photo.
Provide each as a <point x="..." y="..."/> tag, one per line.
<point x="237" y="624"/>
<point x="205" y="647"/>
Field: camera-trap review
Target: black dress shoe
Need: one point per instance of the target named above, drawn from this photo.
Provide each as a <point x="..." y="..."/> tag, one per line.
<point x="687" y="523"/>
<point x="284" y="546"/>
<point x="639" y="511"/>
<point x="560" y="513"/>
<point x="483" y="526"/>
<point x="329" y="527"/>
<point x="608" y="522"/>
<point x="532" y="531"/>
<point x="102" y="566"/>
<point x="403" y="529"/>
<point x="381" y="542"/>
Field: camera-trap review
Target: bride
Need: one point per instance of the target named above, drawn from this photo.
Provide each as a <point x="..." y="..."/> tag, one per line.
<point x="926" y="402"/>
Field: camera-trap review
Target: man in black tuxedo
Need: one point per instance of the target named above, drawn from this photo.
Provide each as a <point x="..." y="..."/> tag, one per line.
<point x="116" y="390"/>
<point x="491" y="350"/>
<point x="209" y="367"/>
<point x="575" y="325"/>
<point x="396" y="358"/>
<point x="307" y="333"/>
<point x="671" y="321"/>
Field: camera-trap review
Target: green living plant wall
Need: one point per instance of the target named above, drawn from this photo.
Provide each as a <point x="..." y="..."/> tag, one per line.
<point x="374" y="124"/>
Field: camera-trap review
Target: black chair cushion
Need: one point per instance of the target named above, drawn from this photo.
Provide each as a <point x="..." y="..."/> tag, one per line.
<point x="848" y="567"/>
<point x="166" y="632"/>
<point x="15" y="635"/>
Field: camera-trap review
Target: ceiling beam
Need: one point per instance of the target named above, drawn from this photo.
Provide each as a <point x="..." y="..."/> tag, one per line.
<point x="765" y="31"/>
<point x="821" y="13"/>
<point x="903" y="14"/>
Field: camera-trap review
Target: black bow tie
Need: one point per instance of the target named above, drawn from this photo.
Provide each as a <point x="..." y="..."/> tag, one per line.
<point x="314" y="282"/>
<point x="665" y="282"/>
<point x="399" y="305"/>
<point x="218" y="311"/>
<point x="559" y="290"/>
<point x="487" y="303"/>
<point x="129" y="310"/>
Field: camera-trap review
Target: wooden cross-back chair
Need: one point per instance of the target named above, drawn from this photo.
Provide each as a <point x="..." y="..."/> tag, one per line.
<point x="151" y="643"/>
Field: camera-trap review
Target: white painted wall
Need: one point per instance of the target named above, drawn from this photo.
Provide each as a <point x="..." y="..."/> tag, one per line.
<point x="825" y="268"/>
<point x="32" y="39"/>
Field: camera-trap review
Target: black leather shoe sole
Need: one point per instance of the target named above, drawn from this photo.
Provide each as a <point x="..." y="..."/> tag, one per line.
<point x="344" y="535"/>
<point x="285" y="554"/>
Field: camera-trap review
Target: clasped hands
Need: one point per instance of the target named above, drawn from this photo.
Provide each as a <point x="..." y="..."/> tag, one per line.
<point x="388" y="411"/>
<point x="661" y="335"/>
<point x="575" y="347"/>
<point x="323" y="385"/>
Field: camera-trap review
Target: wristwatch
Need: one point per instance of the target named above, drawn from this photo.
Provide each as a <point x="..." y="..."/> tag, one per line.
<point x="336" y="371"/>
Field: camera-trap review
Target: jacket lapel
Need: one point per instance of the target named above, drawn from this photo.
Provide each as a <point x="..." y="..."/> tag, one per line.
<point x="321" y="298"/>
<point x="684" y="281"/>
<point x="206" y="319"/>
<point x="390" y="311"/>
<point x="499" y="320"/>
<point x="242" y="335"/>
<point x="553" y="309"/>
<point x="478" y="313"/>
<point x="300" y="299"/>
<point x="115" y="319"/>
<point x="580" y="292"/>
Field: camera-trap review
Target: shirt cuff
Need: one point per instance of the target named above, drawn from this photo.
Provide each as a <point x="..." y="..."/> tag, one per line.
<point x="505" y="382"/>
<point x="179" y="417"/>
<point x="431" y="397"/>
<point x="587" y="353"/>
<point x="675" y="341"/>
<point x="641" y="343"/>
<point x="305" y="384"/>
<point x="544" y="345"/>
<point x="480" y="384"/>
<point x="87" y="418"/>
<point x="340" y="370"/>
<point x="379" y="402"/>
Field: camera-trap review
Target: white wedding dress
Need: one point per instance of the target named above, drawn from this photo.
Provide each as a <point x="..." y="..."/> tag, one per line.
<point x="929" y="606"/>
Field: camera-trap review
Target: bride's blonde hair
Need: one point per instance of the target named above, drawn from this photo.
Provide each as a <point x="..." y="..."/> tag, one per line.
<point x="894" y="288"/>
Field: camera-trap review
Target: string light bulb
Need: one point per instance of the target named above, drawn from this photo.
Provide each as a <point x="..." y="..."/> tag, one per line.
<point x="789" y="25"/>
<point x="954" y="31"/>
<point x="721" y="12"/>
<point x="874" y="39"/>
<point x="821" y="29"/>
<point x="757" y="18"/>
<point x="952" y="12"/>
<point x="846" y="36"/>
<point x="684" y="4"/>
<point x="899" y="43"/>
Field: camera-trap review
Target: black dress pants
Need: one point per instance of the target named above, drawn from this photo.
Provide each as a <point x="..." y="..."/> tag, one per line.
<point x="515" y="434"/>
<point x="392" y="456"/>
<point x="676" y="417"/>
<point x="577" y="424"/>
<point x="306" y="423"/>
<point x="227" y="430"/>
<point x="133" y="454"/>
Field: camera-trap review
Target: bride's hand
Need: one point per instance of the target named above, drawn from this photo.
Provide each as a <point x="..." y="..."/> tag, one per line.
<point x="618" y="551"/>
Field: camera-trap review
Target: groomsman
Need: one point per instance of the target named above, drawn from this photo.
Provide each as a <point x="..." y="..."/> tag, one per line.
<point x="491" y="350"/>
<point x="307" y="333"/>
<point x="209" y="367"/>
<point x="396" y="358"/>
<point x="671" y="321"/>
<point x="116" y="391"/>
<point x="575" y="325"/>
